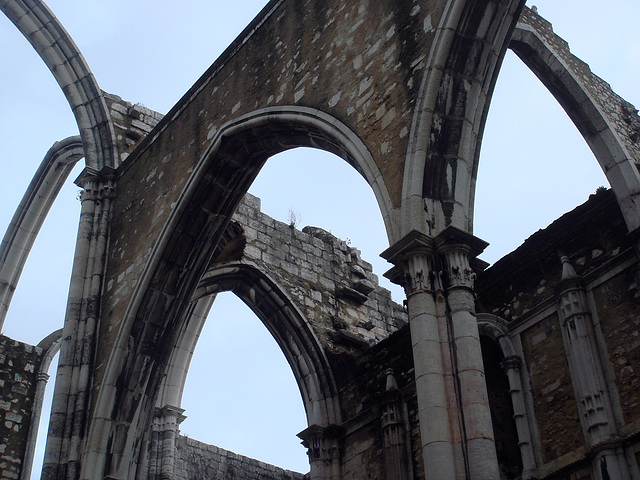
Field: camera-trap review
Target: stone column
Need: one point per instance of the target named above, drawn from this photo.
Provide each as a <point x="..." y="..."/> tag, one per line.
<point x="70" y="407"/>
<point x="165" y="431"/>
<point x="587" y="373"/>
<point x="413" y="257"/>
<point x="454" y="415"/>
<point x="323" y="451"/>
<point x="34" y="425"/>
<point x="457" y="249"/>
<point x="512" y="367"/>
<point x="393" y="432"/>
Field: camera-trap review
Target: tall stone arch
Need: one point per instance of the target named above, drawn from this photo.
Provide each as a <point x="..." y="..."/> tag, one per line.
<point x="608" y="123"/>
<point x="291" y="331"/>
<point x="63" y="58"/>
<point x="56" y="48"/>
<point x="176" y="269"/>
<point x="285" y="322"/>
<point x="31" y="214"/>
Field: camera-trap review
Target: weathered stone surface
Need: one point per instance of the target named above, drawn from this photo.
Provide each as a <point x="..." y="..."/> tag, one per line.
<point x="400" y="90"/>
<point x="523" y="289"/>
<point x="19" y="367"/>
<point x="319" y="275"/>
<point x="197" y="460"/>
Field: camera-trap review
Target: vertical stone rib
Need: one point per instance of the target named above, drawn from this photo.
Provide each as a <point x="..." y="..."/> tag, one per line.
<point x="587" y="374"/>
<point x="70" y="405"/>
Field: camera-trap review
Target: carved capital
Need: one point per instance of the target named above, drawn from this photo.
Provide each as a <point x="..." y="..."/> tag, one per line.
<point x="459" y="272"/>
<point x="513" y="362"/>
<point x="321" y="442"/>
<point x="168" y="417"/>
<point x="413" y="257"/>
<point x="459" y="250"/>
<point x="417" y="258"/>
<point x="97" y="185"/>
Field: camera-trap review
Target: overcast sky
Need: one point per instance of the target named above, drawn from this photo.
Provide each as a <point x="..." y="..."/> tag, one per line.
<point x="534" y="167"/>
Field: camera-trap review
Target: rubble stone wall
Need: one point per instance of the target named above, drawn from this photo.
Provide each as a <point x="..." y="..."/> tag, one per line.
<point x="19" y="365"/>
<point x="329" y="281"/>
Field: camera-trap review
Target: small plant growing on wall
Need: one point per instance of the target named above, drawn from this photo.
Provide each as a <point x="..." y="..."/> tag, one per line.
<point x="294" y="218"/>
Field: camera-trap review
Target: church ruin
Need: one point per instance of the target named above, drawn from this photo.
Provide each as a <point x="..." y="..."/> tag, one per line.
<point x="522" y="370"/>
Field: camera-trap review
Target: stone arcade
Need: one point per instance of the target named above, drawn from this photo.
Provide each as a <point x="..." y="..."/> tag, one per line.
<point x="525" y="370"/>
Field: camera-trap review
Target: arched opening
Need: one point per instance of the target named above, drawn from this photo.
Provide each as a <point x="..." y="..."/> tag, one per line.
<point x="504" y="426"/>
<point x="163" y="305"/>
<point x="533" y="168"/>
<point x="241" y="394"/>
<point x="316" y="188"/>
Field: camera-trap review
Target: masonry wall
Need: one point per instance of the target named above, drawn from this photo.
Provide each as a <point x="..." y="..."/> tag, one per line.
<point x="618" y="308"/>
<point x="552" y="385"/>
<point x="19" y="365"/>
<point x="333" y="286"/>
<point x="521" y="289"/>
<point x="197" y="460"/>
<point x="363" y="383"/>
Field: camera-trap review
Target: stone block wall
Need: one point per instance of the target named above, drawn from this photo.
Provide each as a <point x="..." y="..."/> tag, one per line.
<point x="196" y="460"/>
<point x="132" y="122"/>
<point x="616" y="303"/>
<point x="329" y="281"/>
<point x="364" y="396"/>
<point x="523" y="290"/>
<point x="550" y="379"/>
<point x="19" y="365"/>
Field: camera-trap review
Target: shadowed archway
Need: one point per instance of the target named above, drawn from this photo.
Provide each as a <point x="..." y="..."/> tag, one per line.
<point x="167" y="294"/>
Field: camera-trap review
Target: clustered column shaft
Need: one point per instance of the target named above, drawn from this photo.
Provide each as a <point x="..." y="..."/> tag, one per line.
<point x="455" y="421"/>
<point x="72" y="389"/>
<point x="165" y="432"/>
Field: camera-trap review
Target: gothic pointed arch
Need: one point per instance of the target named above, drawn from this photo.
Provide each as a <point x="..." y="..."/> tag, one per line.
<point x="608" y="123"/>
<point x="164" y="298"/>
<point x="31" y="214"/>
<point x="444" y="145"/>
<point x="60" y="53"/>
<point x="291" y="330"/>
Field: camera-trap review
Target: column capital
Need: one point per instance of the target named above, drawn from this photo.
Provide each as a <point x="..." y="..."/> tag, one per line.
<point x="513" y="362"/>
<point x="97" y="184"/>
<point x="570" y="280"/>
<point x="412" y="243"/>
<point x="321" y="442"/>
<point x="172" y="412"/>
<point x="453" y="238"/>
<point x="412" y="257"/>
<point x="460" y="249"/>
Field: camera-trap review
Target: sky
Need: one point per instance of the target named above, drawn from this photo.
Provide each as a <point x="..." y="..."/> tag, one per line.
<point x="534" y="166"/>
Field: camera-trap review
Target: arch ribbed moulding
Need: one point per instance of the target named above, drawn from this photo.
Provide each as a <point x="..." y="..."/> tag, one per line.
<point x="63" y="58"/>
